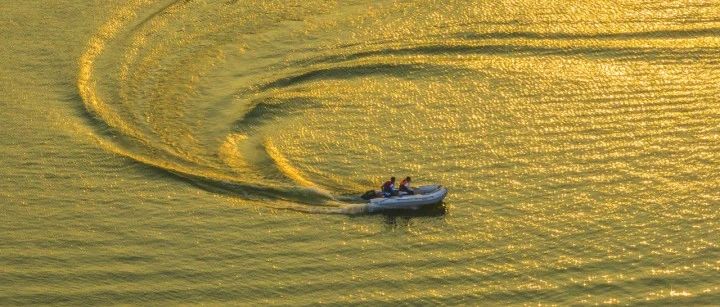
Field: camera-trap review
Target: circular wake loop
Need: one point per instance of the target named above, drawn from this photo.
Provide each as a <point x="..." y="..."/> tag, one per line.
<point x="144" y="93"/>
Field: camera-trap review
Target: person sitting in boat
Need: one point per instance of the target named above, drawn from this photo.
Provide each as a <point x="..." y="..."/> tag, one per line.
<point x="405" y="186"/>
<point x="388" y="188"/>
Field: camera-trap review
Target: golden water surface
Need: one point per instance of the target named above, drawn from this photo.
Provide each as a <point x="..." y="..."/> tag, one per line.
<point x="161" y="152"/>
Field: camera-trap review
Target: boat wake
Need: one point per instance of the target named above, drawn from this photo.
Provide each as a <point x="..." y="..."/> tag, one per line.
<point x="143" y="112"/>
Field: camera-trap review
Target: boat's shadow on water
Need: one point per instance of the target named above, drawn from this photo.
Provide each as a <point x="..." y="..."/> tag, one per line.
<point x="399" y="217"/>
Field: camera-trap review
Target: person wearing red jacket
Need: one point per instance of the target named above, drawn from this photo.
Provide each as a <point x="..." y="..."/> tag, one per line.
<point x="388" y="188"/>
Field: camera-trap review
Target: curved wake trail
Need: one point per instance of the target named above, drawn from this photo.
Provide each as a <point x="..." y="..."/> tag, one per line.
<point x="206" y="176"/>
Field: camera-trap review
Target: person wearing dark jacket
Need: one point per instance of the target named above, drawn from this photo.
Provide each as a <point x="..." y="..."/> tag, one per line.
<point x="405" y="186"/>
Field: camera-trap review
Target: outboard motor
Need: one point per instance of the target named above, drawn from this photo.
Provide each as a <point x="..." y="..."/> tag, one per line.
<point x="369" y="195"/>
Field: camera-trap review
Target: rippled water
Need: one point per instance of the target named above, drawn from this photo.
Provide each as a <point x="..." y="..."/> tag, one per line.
<point x="151" y="150"/>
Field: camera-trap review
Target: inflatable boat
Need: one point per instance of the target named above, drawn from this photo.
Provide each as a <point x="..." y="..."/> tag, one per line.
<point x="424" y="196"/>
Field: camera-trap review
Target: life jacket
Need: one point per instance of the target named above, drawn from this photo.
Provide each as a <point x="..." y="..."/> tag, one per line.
<point x="405" y="183"/>
<point x="388" y="186"/>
